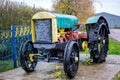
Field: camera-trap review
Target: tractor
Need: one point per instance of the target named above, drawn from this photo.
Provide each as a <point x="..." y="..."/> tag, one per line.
<point x="57" y="37"/>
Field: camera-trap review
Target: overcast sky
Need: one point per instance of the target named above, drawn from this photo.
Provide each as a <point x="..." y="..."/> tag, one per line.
<point x="109" y="6"/>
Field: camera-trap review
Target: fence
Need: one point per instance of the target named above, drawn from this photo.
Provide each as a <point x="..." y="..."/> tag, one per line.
<point x="10" y="41"/>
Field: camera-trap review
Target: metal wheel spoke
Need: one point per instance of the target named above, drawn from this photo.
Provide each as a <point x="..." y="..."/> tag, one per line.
<point x="70" y="68"/>
<point x="70" y="65"/>
<point x="32" y="66"/>
<point x="25" y="61"/>
<point x="98" y="46"/>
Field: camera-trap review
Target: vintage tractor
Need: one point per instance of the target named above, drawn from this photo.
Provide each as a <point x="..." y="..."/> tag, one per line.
<point x="57" y="37"/>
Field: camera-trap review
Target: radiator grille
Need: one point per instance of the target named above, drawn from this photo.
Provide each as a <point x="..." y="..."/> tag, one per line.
<point x="43" y="30"/>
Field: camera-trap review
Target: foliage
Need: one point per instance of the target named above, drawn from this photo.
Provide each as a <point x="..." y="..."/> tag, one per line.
<point x="15" y="13"/>
<point x="6" y="65"/>
<point x="60" y="75"/>
<point x="57" y="68"/>
<point x="81" y="8"/>
<point x="87" y="61"/>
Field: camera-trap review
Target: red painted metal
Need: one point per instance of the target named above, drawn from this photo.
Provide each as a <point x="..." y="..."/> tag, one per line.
<point x="71" y="35"/>
<point x="78" y="35"/>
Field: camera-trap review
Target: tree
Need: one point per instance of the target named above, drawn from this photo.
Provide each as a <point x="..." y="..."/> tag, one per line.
<point x="80" y="8"/>
<point x="15" y="13"/>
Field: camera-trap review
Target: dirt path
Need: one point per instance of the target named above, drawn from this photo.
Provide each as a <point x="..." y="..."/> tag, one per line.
<point x="46" y="71"/>
<point x="115" y="34"/>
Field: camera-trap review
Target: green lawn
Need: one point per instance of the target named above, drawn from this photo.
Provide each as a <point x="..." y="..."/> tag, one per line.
<point x="118" y="78"/>
<point x="114" y="48"/>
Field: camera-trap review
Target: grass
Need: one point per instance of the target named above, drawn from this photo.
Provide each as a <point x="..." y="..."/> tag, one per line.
<point x="114" y="48"/>
<point x="6" y="65"/>
<point x="118" y="78"/>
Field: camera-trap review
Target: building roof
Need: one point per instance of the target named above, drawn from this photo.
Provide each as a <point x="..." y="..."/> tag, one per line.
<point x="113" y="20"/>
<point x="107" y="14"/>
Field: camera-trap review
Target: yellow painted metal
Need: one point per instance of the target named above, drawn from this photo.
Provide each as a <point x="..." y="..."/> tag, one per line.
<point x="103" y="41"/>
<point x="62" y="32"/>
<point x="45" y="15"/>
<point x="76" y="59"/>
<point x="54" y="30"/>
<point x="58" y="35"/>
<point x="84" y="45"/>
<point x="32" y="55"/>
<point x="33" y="31"/>
<point x="99" y="38"/>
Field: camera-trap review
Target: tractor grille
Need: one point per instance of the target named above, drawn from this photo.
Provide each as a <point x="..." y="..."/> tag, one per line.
<point x="43" y="31"/>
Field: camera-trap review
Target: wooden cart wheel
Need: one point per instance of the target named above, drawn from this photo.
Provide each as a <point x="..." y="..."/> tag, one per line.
<point x="71" y="59"/>
<point x="25" y="50"/>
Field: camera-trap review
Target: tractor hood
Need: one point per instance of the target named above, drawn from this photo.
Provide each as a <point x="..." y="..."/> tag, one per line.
<point x="63" y="20"/>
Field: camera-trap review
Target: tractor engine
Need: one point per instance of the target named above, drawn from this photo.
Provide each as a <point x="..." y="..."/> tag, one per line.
<point x="69" y="34"/>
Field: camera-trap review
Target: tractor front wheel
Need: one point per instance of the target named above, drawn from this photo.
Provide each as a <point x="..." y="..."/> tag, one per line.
<point x="28" y="62"/>
<point x="71" y="59"/>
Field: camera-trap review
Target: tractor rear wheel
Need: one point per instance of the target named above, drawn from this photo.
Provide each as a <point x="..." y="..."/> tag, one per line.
<point x="25" y="50"/>
<point x="102" y="46"/>
<point x="71" y="59"/>
<point x="98" y="38"/>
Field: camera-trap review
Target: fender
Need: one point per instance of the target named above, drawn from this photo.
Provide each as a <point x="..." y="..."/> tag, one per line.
<point x="95" y="20"/>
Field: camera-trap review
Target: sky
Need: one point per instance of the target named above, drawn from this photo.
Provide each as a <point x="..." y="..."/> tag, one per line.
<point x="109" y="6"/>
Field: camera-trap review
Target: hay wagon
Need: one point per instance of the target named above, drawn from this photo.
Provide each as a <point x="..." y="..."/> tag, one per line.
<point x="57" y="37"/>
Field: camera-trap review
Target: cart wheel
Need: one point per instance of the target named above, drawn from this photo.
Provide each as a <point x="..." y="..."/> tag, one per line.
<point x="102" y="46"/>
<point x="71" y="59"/>
<point x="26" y="49"/>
